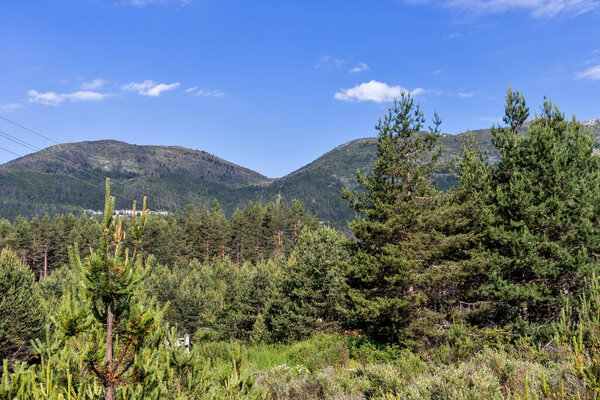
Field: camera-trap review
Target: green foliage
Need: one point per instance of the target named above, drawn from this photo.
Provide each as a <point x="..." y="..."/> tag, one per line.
<point x="109" y="342"/>
<point x="396" y="257"/>
<point x="21" y="316"/>
<point x="322" y="350"/>
<point x="311" y="296"/>
<point x="539" y="220"/>
<point x="256" y="232"/>
<point x="447" y="295"/>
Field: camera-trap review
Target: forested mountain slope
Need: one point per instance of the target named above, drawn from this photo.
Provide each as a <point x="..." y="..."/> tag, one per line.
<point x="69" y="177"/>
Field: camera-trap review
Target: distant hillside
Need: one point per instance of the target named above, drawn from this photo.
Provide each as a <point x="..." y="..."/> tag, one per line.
<point x="125" y="160"/>
<point x="320" y="183"/>
<point x="70" y="177"/>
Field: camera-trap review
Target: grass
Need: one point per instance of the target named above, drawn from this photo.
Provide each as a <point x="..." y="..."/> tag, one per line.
<point x="343" y="368"/>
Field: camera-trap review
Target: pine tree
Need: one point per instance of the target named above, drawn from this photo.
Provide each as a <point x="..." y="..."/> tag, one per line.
<point x="543" y="234"/>
<point x="395" y="243"/>
<point x="312" y="288"/>
<point x="21" y="316"/>
<point x="117" y="326"/>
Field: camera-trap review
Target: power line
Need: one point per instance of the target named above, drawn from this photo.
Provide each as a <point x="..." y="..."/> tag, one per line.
<point x="74" y="177"/>
<point x="12" y="152"/>
<point x="55" y="157"/>
<point x="18" y="141"/>
<point x="185" y="199"/>
<point x="27" y="129"/>
<point x="90" y="171"/>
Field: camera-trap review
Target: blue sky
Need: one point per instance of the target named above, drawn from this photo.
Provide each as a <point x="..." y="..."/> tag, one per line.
<point x="273" y="84"/>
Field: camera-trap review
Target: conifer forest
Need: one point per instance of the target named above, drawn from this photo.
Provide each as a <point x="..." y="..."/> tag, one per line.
<point x="486" y="289"/>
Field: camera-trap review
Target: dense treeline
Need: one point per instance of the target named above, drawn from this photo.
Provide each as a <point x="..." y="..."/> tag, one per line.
<point x="486" y="290"/>
<point x="253" y="233"/>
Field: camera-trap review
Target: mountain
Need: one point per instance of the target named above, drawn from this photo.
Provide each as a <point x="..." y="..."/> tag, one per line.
<point x="129" y="161"/>
<point x="70" y="177"/>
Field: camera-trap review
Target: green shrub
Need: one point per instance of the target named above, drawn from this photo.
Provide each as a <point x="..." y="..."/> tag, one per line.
<point x="363" y="349"/>
<point x="320" y="351"/>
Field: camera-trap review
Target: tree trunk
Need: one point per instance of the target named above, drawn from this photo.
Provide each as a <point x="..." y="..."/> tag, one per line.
<point x="279" y="242"/>
<point x="207" y="251"/>
<point x="46" y="261"/>
<point x="109" y="389"/>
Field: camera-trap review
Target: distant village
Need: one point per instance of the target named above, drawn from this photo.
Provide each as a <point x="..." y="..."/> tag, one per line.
<point x="126" y="213"/>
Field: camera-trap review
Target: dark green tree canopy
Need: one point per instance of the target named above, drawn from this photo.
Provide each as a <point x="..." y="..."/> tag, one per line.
<point x="21" y="315"/>
<point x="538" y="212"/>
<point x="393" y="234"/>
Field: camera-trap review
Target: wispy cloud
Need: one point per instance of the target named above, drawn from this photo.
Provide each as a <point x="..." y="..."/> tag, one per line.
<point x="10" y="107"/>
<point x="149" y="87"/>
<point x="53" y="98"/>
<point x="437" y="72"/>
<point x="95" y="84"/>
<point x="374" y="91"/>
<point x="196" y="91"/>
<point x="452" y="36"/>
<point x="466" y="95"/>
<point x="144" y="3"/>
<point x="491" y="120"/>
<point x="592" y="73"/>
<point x="360" y="67"/>
<point x="328" y="62"/>
<point x="537" y="8"/>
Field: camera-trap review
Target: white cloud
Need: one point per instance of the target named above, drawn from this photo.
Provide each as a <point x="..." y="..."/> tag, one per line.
<point x="10" y="107"/>
<point x="149" y="88"/>
<point x="208" y="93"/>
<point x="374" y="91"/>
<point x="592" y="73"/>
<point x="328" y="62"/>
<point x="144" y="3"/>
<point x="195" y="91"/>
<point x="466" y="94"/>
<point x="360" y="67"/>
<point x="95" y="84"/>
<point x="53" y="98"/>
<point x="453" y="36"/>
<point x="538" y="8"/>
<point x="437" y="72"/>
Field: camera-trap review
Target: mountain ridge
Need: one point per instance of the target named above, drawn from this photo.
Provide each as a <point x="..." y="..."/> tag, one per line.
<point x="68" y="177"/>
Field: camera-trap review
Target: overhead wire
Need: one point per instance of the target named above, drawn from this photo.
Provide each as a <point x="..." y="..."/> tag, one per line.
<point x="74" y="177"/>
<point x="9" y="151"/>
<point x="52" y="156"/>
<point x="32" y="147"/>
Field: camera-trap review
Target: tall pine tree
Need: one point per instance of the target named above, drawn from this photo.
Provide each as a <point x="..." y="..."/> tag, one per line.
<point x="395" y="242"/>
<point x="543" y="230"/>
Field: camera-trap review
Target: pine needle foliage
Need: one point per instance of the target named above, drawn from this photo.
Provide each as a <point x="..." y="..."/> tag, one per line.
<point x="394" y="236"/>
<point x="21" y="317"/>
<point x="109" y="279"/>
<point x="109" y="340"/>
<point x="542" y="229"/>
